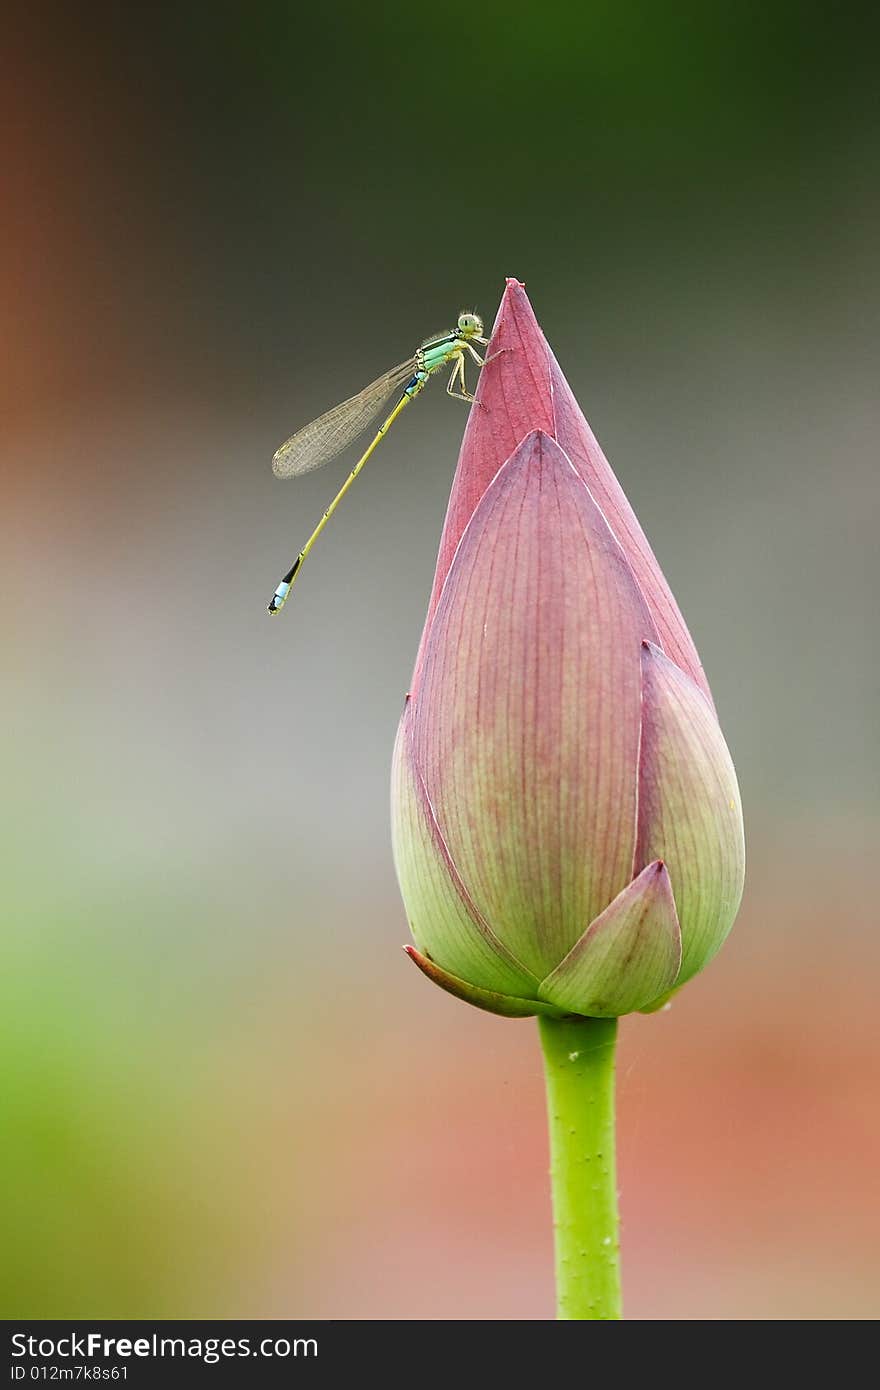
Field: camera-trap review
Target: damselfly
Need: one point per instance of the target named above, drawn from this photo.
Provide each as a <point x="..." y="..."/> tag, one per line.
<point x="319" y="442"/>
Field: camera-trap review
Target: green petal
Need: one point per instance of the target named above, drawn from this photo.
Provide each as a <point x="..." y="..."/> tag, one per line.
<point x="660" y="1003"/>
<point x="489" y="999"/>
<point x="689" y="807"/>
<point x="443" y="920"/>
<point x="627" y="957"/>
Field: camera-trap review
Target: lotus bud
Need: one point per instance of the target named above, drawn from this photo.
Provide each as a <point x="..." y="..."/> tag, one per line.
<point x="567" y="827"/>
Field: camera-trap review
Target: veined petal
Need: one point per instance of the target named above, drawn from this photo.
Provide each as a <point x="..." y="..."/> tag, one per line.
<point x="579" y="442"/>
<point x="689" y="807"/>
<point x="443" y="921"/>
<point x="490" y="1000"/>
<point x="526" y="720"/>
<point x="522" y="388"/>
<point x="625" y="959"/>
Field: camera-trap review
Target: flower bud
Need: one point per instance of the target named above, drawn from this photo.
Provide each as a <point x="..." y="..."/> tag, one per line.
<point x="566" y="821"/>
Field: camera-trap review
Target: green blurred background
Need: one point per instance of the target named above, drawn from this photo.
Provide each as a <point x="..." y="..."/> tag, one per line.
<point x="225" y="1091"/>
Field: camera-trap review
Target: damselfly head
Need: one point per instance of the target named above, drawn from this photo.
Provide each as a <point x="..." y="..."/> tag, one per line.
<point x="470" y="325"/>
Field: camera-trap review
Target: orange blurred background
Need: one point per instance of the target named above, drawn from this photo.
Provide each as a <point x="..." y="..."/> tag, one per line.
<point x="228" y="1094"/>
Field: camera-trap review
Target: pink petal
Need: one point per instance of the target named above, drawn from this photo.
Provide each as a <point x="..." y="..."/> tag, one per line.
<point x="526" y="720"/>
<point x="521" y="390"/>
<point x="689" y="807"/>
<point x="627" y="958"/>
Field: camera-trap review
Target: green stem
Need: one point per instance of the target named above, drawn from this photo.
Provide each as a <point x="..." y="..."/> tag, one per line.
<point x="579" y="1069"/>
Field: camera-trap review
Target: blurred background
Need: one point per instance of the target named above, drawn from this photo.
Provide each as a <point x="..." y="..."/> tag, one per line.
<point x="226" y="1091"/>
